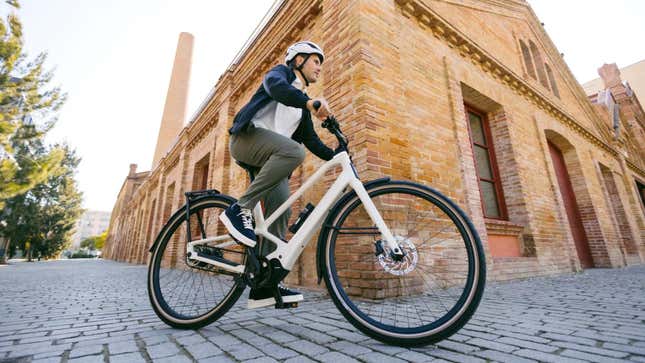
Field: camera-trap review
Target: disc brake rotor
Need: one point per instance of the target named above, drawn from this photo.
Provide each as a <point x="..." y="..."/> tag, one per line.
<point x="404" y="265"/>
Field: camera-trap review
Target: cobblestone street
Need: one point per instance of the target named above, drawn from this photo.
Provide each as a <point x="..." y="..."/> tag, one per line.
<point x="98" y="311"/>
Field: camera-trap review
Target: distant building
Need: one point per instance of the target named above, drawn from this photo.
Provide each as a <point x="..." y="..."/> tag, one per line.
<point x="615" y="96"/>
<point x="91" y="223"/>
<point x="633" y="74"/>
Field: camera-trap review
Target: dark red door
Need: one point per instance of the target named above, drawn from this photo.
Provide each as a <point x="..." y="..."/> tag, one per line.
<point x="573" y="214"/>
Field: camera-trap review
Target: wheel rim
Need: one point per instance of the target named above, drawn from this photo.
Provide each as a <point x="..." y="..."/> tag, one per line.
<point x="186" y="291"/>
<point x="410" y="303"/>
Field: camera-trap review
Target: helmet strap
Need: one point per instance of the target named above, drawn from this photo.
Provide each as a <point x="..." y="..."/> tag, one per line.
<point x="299" y="69"/>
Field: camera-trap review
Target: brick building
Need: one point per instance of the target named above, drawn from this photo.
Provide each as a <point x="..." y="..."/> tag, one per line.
<point x="470" y="97"/>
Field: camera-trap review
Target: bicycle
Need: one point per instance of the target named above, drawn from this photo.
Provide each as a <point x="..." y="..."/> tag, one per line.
<point x="402" y="262"/>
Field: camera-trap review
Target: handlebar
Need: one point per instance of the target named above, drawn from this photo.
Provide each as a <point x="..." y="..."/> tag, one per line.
<point x="332" y="125"/>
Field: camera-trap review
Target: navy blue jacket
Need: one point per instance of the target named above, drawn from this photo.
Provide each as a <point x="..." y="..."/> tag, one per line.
<point x="276" y="86"/>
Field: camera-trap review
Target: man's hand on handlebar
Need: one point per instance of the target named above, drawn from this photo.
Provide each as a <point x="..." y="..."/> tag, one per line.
<point x="320" y="109"/>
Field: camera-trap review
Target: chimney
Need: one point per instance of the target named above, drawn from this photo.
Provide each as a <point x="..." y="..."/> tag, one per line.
<point x="610" y="75"/>
<point x="133" y="169"/>
<point x="174" y="112"/>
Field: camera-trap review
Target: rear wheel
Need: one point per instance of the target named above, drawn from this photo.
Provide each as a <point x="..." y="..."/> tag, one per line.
<point x="421" y="298"/>
<point x="186" y="293"/>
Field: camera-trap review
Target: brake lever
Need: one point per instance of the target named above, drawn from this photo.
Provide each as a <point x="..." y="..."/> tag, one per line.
<point x="330" y="123"/>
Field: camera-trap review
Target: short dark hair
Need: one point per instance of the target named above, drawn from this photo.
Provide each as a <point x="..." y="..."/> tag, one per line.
<point x="292" y="62"/>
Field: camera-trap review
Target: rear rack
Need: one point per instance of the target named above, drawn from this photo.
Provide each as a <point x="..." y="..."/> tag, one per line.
<point x="191" y="196"/>
<point x="200" y="193"/>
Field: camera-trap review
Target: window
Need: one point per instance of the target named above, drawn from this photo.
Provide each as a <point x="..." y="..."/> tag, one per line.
<point x="200" y="174"/>
<point x="539" y="64"/>
<point x="641" y="192"/>
<point x="170" y="190"/>
<point x="554" y="87"/>
<point x="487" y="172"/>
<point x="527" y="60"/>
<point x="151" y="218"/>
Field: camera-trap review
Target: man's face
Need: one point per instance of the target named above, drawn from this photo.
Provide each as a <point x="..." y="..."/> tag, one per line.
<point x="312" y="68"/>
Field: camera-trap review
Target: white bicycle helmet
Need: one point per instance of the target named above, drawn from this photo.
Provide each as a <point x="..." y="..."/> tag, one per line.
<point x="304" y="47"/>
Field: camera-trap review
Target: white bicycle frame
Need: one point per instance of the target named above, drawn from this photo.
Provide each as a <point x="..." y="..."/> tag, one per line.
<point x="288" y="252"/>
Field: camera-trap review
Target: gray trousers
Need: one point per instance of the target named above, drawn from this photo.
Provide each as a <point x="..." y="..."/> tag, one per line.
<point x="276" y="156"/>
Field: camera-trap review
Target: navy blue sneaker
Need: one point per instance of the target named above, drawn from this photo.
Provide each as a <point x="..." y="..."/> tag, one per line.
<point x="239" y="223"/>
<point x="264" y="297"/>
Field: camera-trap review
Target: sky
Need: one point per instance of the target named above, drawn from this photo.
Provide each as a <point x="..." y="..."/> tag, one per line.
<point x="114" y="58"/>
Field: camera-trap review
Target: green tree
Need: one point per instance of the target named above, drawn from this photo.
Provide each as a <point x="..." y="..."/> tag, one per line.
<point x="41" y="221"/>
<point x="100" y="240"/>
<point x="27" y="111"/>
<point x="89" y="243"/>
<point x="94" y="242"/>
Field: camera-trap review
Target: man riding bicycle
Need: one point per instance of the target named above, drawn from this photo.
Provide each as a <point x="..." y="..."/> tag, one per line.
<point x="267" y="134"/>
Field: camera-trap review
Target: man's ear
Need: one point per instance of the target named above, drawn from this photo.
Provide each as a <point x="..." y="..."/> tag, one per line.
<point x="298" y="60"/>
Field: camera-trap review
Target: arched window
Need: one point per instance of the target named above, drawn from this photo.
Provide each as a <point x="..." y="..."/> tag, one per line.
<point x="528" y="63"/>
<point x="539" y="64"/>
<point x="554" y="87"/>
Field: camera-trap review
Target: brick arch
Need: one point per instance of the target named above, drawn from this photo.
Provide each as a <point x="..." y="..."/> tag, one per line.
<point x="559" y="140"/>
<point x="590" y="244"/>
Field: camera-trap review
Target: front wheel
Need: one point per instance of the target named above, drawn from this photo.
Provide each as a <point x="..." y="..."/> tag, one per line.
<point x="422" y="298"/>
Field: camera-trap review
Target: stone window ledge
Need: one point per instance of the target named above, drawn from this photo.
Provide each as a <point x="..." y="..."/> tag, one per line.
<point x="522" y="259"/>
<point x="503" y="228"/>
<point x="504" y="238"/>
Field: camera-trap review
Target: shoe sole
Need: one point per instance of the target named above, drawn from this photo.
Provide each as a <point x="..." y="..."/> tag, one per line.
<point x="253" y="304"/>
<point x="233" y="232"/>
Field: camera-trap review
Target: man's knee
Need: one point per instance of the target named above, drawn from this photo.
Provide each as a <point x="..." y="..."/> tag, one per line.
<point x="300" y="153"/>
<point x="295" y="153"/>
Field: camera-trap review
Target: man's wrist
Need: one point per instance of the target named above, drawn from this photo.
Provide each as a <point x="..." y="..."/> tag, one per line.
<point x="306" y="100"/>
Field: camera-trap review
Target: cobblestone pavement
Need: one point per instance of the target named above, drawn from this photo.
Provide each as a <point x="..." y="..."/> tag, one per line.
<point x="98" y="311"/>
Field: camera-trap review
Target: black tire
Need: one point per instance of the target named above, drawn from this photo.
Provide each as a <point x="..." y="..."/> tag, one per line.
<point x="202" y="303"/>
<point x="361" y="282"/>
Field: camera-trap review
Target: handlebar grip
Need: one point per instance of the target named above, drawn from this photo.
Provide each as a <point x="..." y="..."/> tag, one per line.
<point x="317" y="105"/>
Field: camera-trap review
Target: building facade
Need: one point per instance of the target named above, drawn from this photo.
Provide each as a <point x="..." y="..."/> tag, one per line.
<point x="91" y="223"/>
<point x="469" y="97"/>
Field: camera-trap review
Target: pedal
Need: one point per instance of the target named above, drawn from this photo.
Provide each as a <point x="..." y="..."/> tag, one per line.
<point x="240" y="242"/>
<point x="290" y="305"/>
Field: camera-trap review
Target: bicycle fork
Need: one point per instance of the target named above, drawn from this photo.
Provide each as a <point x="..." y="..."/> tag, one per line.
<point x="376" y="217"/>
